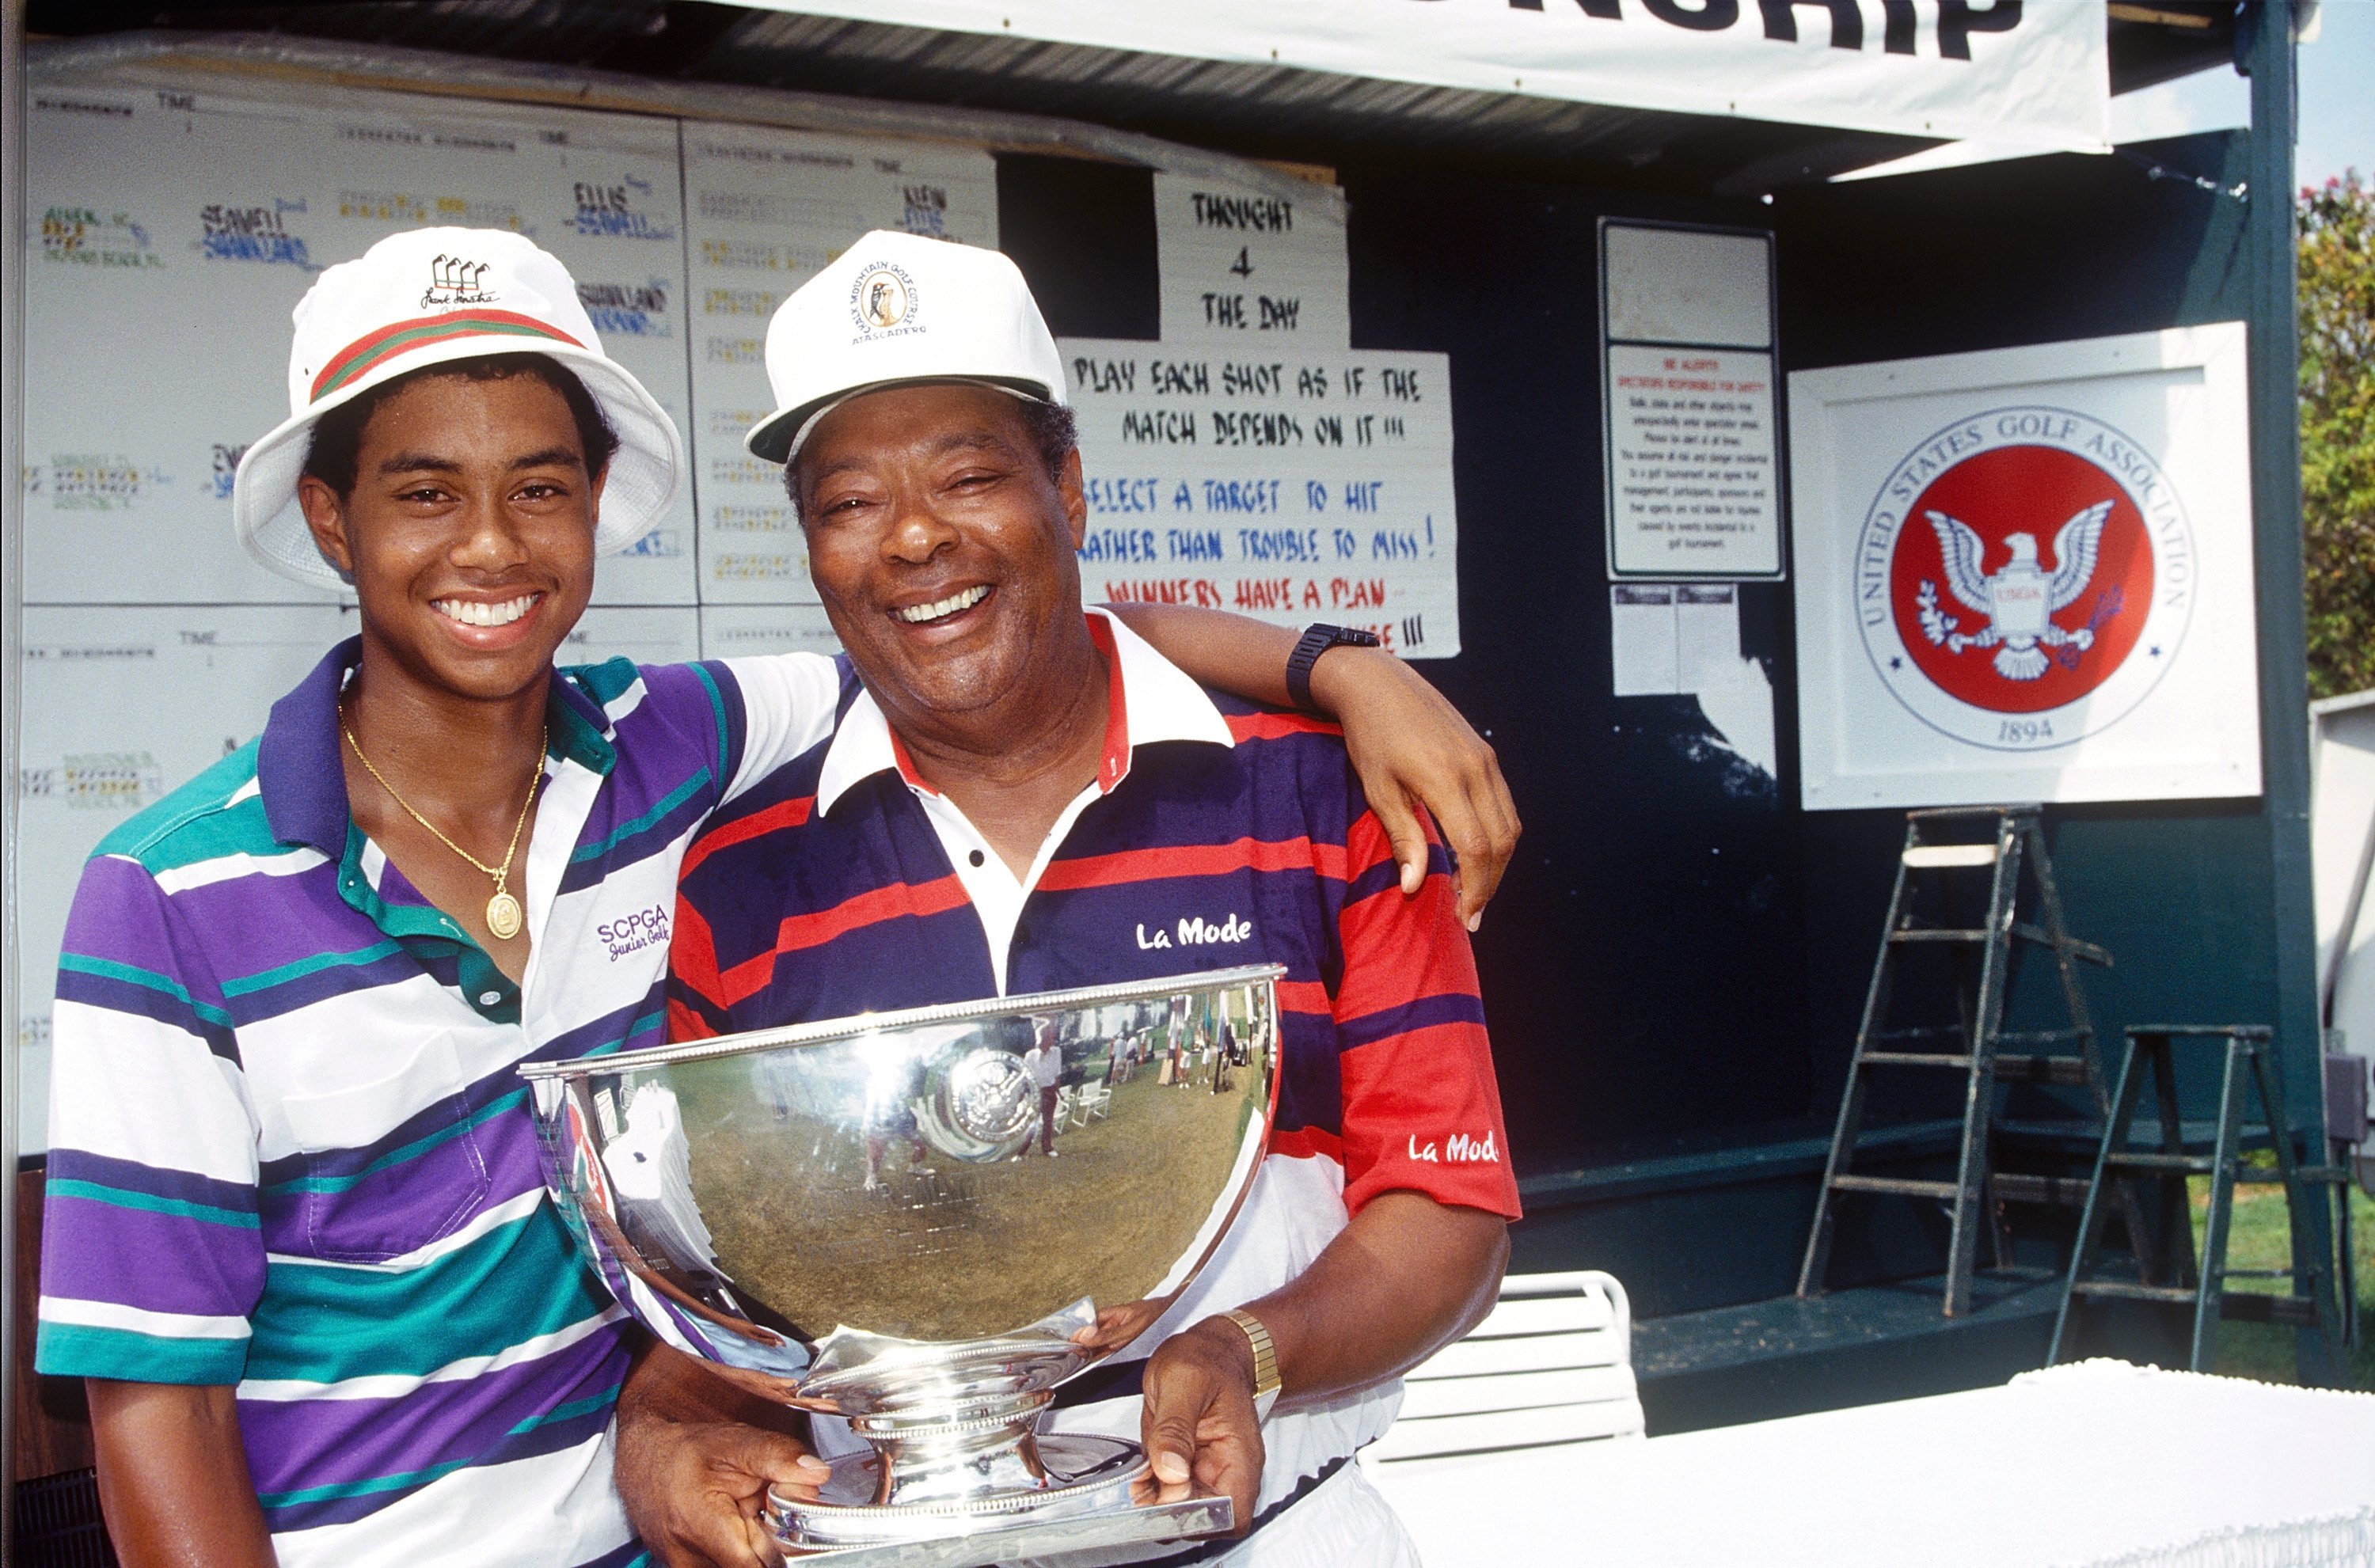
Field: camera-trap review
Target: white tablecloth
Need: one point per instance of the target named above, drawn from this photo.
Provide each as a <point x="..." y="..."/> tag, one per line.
<point x="2095" y="1464"/>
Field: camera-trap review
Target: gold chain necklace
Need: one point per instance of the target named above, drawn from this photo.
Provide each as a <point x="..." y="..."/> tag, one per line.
<point x="502" y="909"/>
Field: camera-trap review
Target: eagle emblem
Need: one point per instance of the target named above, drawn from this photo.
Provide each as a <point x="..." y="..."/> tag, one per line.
<point x="2021" y="597"/>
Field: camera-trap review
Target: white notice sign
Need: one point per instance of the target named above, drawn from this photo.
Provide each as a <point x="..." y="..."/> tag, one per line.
<point x="1294" y="486"/>
<point x="1691" y="486"/>
<point x="1256" y="267"/>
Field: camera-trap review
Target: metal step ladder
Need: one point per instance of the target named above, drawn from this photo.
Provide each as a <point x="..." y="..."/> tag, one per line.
<point x="2313" y="1307"/>
<point x="2063" y="1055"/>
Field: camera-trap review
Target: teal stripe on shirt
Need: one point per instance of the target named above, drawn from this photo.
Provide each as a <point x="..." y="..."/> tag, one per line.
<point x="248" y="984"/>
<point x="626" y="831"/>
<point x="80" y="1349"/>
<point x="181" y="1207"/>
<point x="109" y="969"/>
<point x="322" y="1323"/>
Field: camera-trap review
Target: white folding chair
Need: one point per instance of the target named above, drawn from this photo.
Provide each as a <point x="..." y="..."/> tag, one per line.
<point x="1090" y="1100"/>
<point x="1552" y="1364"/>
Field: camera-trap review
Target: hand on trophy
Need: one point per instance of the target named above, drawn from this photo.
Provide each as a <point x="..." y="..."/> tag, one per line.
<point x="694" y="1473"/>
<point x="1200" y="1427"/>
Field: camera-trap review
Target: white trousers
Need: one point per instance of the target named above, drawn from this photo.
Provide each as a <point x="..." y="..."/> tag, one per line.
<point x="1342" y="1522"/>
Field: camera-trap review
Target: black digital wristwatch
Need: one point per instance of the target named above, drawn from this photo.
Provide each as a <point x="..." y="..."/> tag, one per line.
<point x="1317" y="641"/>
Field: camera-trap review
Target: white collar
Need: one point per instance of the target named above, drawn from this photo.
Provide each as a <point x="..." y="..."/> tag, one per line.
<point x="1162" y="703"/>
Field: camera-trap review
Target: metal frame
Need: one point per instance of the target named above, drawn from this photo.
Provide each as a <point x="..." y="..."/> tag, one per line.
<point x="1977" y="1188"/>
<point x="2314" y="1307"/>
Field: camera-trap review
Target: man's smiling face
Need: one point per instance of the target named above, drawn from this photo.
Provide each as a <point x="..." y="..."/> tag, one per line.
<point x="942" y="546"/>
<point x="469" y="533"/>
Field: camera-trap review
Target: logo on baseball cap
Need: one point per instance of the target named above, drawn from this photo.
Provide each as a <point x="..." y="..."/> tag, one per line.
<point x="431" y="296"/>
<point x="900" y="308"/>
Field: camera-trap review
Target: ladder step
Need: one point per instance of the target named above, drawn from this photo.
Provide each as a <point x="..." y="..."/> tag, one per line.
<point x="1927" y="934"/>
<point x="2250" y="1306"/>
<point x="2042" y="1036"/>
<point x="2020" y="1187"/>
<point x="2123" y="1290"/>
<point x="1914" y="1059"/>
<point x="2042" y="1069"/>
<point x="2186" y="1165"/>
<point x="2086" y="951"/>
<point x="1897" y="1184"/>
<point x="1923" y="1032"/>
<point x="1945" y="856"/>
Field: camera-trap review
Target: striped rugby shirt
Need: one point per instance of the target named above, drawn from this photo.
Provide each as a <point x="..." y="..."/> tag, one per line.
<point x="1217" y="834"/>
<point x="289" y="1151"/>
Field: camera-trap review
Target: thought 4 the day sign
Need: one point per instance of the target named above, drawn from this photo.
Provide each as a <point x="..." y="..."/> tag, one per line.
<point x="1294" y="486"/>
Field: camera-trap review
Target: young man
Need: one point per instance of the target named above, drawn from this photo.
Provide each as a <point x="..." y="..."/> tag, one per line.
<point x="1011" y="795"/>
<point x="296" y="1238"/>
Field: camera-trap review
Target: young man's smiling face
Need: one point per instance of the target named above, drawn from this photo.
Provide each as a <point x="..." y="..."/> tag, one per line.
<point x="469" y="533"/>
<point x="943" y="549"/>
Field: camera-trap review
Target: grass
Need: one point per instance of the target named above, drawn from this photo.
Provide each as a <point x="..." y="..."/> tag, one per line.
<point x="2260" y="1236"/>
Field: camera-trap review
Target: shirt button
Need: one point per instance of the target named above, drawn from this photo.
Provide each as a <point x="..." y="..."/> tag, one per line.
<point x="975" y="857"/>
<point x="488" y="998"/>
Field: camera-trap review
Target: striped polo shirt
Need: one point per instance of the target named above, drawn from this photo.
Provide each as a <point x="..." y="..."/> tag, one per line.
<point x="289" y="1150"/>
<point x="1216" y="833"/>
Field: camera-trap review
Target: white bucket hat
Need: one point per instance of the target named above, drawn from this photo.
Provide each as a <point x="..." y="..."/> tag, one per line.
<point x="894" y="308"/>
<point x="428" y="296"/>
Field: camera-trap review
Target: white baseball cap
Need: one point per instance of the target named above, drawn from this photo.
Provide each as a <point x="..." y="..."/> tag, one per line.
<point x="428" y="296"/>
<point x="897" y="308"/>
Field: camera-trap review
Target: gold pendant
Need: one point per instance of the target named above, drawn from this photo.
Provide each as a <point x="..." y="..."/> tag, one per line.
<point x="504" y="917"/>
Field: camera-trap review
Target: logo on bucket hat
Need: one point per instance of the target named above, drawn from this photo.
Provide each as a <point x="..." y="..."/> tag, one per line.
<point x="883" y="299"/>
<point x="456" y="280"/>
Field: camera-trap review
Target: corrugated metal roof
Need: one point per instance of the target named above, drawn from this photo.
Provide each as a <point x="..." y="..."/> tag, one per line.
<point x="1266" y="111"/>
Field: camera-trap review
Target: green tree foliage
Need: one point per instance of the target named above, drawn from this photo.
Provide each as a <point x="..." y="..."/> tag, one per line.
<point x="2337" y="411"/>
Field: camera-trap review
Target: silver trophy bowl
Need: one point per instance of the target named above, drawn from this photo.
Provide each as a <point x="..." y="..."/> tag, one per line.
<point x="854" y="1218"/>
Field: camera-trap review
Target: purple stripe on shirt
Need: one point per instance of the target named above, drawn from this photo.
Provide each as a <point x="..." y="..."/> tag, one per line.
<point x="316" y="1443"/>
<point x="216" y="1271"/>
<point x="552" y="1437"/>
<point x="157" y="1181"/>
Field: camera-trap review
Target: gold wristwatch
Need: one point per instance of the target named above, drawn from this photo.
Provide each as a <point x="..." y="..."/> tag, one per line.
<point x="1265" y="1383"/>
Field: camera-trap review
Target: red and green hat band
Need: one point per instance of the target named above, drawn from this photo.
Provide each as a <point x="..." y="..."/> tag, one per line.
<point x="368" y="353"/>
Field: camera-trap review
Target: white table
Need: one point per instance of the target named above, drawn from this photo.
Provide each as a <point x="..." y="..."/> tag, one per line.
<point x="2099" y="1463"/>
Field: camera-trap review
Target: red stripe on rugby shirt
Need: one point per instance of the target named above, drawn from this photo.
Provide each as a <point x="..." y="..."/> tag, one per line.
<point x="1306" y="1143"/>
<point x="1411" y="1093"/>
<point x="1399" y="950"/>
<point x="1305" y="997"/>
<point x="692" y="956"/>
<point x="774" y="819"/>
<point x="799" y="932"/>
<point x="1127" y="865"/>
<point x="458" y="320"/>
<point x="1278" y="726"/>
<point x="683" y="1023"/>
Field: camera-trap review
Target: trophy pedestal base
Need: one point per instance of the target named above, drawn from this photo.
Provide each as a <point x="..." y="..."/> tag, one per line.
<point x="1086" y="1505"/>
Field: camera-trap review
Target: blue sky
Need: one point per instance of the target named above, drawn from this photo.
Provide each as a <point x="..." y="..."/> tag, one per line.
<point x="2337" y="87"/>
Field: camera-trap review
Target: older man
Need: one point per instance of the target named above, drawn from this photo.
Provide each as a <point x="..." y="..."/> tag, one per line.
<point x="1014" y="795"/>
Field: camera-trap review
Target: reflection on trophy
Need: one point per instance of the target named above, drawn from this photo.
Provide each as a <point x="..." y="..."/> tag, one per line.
<point x="854" y="1217"/>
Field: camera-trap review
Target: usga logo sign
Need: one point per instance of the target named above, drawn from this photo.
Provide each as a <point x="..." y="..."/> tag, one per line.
<point x="2024" y="578"/>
